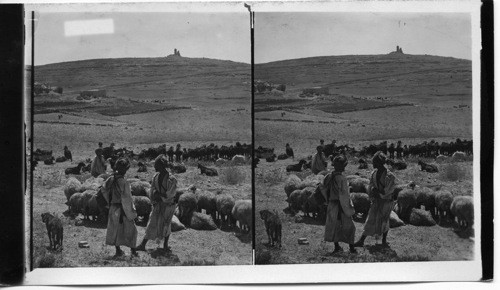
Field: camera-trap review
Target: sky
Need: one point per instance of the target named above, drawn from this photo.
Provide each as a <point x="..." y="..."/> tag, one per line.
<point x="126" y="34"/>
<point x="280" y="36"/>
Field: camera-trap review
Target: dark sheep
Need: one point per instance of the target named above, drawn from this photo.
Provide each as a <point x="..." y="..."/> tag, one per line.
<point x="432" y="168"/>
<point x="143" y="207"/>
<point x="361" y="203"/>
<point x="187" y="204"/>
<point x="397" y="164"/>
<point x="207" y="201"/>
<point x="54" y="230"/>
<point x="61" y="159"/>
<point x="225" y="204"/>
<point x="315" y="204"/>
<point x="75" y="170"/>
<point x="272" y="223"/>
<point x="420" y="217"/>
<point x="177" y="168"/>
<point x="296" y="167"/>
<point x="462" y="208"/>
<point x="242" y="213"/>
<point x="49" y="161"/>
<point x="271" y="158"/>
<point x="443" y="200"/>
<point x="142" y="167"/>
<point x="207" y="170"/>
<point x="281" y="156"/>
<point x="359" y="185"/>
<point x="362" y="164"/>
<point x="425" y="196"/>
<point x="406" y="202"/>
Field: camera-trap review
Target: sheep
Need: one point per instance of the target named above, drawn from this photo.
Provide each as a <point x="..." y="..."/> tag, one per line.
<point x="311" y="181"/>
<point x="238" y="159"/>
<point x="187" y="204"/>
<point x="75" y="170"/>
<point x="397" y="164"/>
<point x="242" y="213"/>
<point x="443" y="200"/>
<point x="431" y="168"/>
<point x="87" y="167"/>
<point x="394" y="220"/>
<point x="359" y="185"/>
<point x="298" y="198"/>
<point x="220" y="161"/>
<point x="425" y="196"/>
<point x="49" y="161"/>
<point x="406" y="201"/>
<point x="140" y="188"/>
<point x="291" y="183"/>
<point x="224" y="203"/>
<point x="91" y="208"/>
<point x="271" y="158"/>
<point x="207" y="170"/>
<point x="441" y="158"/>
<point x="54" y="230"/>
<point x="92" y="183"/>
<point x="420" y="217"/>
<point x="272" y="223"/>
<point x="361" y="203"/>
<point x="295" y="167"/>
<point x="71" y="187"/>
<point x="351" y="177"/>
<point x="143" y="207"/>
<point x="314" y="204"/>
<point x="282" y="156"/>
<point x="458" y="156"/>
<point x="462" y="207"/>
<point x="75" y="202"/>
<point x="399" y="187"/>
<point x="61" y="159"/>
<point x="177" y="168"/>
<point x="206" y="201"/>
<point x="200" y="221"/>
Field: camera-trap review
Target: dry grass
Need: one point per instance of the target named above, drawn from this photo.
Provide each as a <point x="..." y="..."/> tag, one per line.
<point x="453" y="172"/>
<point x="273" y="176"/>
<point x="232" y="175"/>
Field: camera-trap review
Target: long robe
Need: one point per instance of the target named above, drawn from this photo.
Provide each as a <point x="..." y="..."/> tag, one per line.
<point x="339" y="225"/>
<point x="318" y="163"/>
<point x="121" y="230"/>
<point x="98" y="166"/>
<point x="160" y="219"/>
<point x="379" y="214"/>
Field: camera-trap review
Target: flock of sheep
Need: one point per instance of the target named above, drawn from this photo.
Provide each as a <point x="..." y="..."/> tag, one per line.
<point x="220" y="208"/>
<point x="414" y="204"/>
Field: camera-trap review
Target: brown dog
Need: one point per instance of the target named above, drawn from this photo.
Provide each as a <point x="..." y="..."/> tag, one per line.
<point x="273" y="226"/>
<point x="54" y="230"/>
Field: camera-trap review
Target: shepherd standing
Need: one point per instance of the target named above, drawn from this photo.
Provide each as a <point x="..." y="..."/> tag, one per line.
<point x="163" y="190"/>
<point x="381" y="189"/>
<point x="339" y="225"/>
<point x="121" y="229"/>
<point x="98" y="166"/>
<point x="318" y="162"/>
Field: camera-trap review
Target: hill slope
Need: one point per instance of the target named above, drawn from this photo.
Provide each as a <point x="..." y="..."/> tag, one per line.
<point x="409" y="78"/>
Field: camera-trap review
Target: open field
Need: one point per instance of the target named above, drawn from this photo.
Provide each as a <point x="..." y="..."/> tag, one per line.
<point x="372" y="98"/>
<point x="149" y="102"/>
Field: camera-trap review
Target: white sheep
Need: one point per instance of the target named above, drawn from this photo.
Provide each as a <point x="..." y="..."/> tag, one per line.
<point x="458" y="156"/>
<point x="140" y="188"/>
<point x="441" y="158"/>
<point x="242" y="213"/>
<point x="238" y="160"/>
<point x="406" y="202"/>
<point x="359" y="185"/>
<point x="462" y="208"/>
<point x="225" y="204"/>
<point x="71" y="187"/>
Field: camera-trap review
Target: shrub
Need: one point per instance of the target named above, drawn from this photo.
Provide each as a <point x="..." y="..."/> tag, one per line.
<point x="232" y="175"/>
<point x="273" y="176"/>
<point x="453" y="172"/>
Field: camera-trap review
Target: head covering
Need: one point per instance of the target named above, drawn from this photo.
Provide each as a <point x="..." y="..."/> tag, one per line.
<point x="122" y="165"/>
<point x="340" y="161"/>
<point x="98" y="150"/>
<point x="379" y="157"/>
<point x="161" y="162"/>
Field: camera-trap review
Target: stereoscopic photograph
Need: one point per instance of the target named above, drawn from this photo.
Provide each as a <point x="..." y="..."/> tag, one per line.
<point x="363" y="129"/>
<point x="141" y="137"/>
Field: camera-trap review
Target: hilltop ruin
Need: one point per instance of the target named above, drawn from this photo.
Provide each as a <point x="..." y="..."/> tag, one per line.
<point x="399" y="50"/>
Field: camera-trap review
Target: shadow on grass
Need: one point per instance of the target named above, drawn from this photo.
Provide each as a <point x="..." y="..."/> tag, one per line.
<point x="463" y="233"/>
<point x="244" y="237"/>
<point x="94" y="224"/>
<point x="309" y="220"/>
